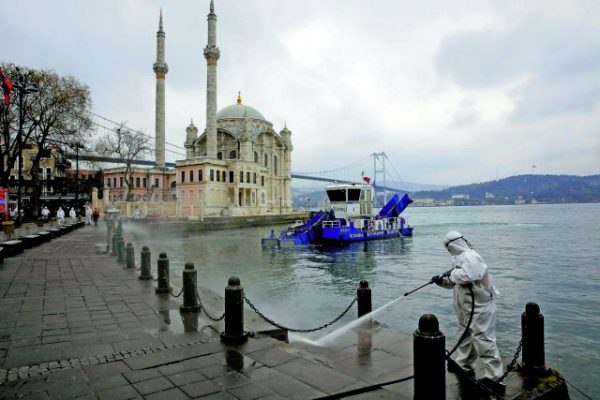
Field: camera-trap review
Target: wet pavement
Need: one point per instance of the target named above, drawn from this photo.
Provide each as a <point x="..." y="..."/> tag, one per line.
<point x="78" y="324"/>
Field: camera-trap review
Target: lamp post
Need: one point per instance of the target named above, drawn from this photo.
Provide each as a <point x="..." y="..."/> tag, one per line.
<point x="23" y="89"/>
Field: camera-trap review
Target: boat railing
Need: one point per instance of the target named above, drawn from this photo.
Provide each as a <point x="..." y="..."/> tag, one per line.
<point x="331" y="224"/>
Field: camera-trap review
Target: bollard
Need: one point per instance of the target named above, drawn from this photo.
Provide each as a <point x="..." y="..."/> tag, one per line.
<point x="363" y="298"/>
<point x="115" y="243"/>
<point x="163" y="274"/>
<point x="120" y="226"/>
<point x="145" y="273"/>
<point x="129" y="256"/>
<point x="121" y="250"/>
<point x="234" y="313"/>
<point x="190" y="279"/>
<point x="532" y="331"/>
<point x="429" y="359"/>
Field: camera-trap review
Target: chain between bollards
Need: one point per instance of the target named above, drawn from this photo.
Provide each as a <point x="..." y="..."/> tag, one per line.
<point x="280" y="326"/>
<point x="202" y="308"/>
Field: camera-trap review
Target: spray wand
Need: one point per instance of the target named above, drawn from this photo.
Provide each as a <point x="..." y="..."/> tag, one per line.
<point x="445" y="274"/>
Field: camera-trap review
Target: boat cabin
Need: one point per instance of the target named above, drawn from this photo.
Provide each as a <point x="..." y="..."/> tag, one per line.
<point x="350" y="199"/>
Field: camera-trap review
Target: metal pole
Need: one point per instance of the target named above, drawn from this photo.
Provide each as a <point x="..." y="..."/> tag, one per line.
<point x="77" y="175"/>
<point x="19" y="141"/>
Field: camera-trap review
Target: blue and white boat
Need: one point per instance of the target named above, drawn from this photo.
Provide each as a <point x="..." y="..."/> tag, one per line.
<point x="350" y="219"/>
<point x="354" y="218"/>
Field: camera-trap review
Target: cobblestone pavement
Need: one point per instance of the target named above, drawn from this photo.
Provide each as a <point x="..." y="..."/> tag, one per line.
<point x="76" y="324"/>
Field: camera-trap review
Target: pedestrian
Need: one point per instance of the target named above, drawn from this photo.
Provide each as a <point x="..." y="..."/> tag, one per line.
<point x="471" y="272"/>
<point x="95" y="216"/>
<point x="88" y="214"/>
<point x="137" y="214"/>
<point x="60" y="217"/>
<point x="45" y="214"/>
<point x="73" y="215"/>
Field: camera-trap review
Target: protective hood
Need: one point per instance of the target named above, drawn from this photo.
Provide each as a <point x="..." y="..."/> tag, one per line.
<point x="456" y="243"/>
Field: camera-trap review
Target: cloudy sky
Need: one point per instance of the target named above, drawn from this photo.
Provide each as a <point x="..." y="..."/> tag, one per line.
<point x="454" y="92"/>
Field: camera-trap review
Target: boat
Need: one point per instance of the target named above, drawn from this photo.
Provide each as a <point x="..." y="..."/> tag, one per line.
<point x="355" y="221"/>
<point x="350" y="219"/>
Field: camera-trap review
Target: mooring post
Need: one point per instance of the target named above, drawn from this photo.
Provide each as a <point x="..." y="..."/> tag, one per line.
<point x="532" y="331"/>
<point x="363" y="298"/>
<point x="115" y="243"/>
<point x="121" y="250"/>
<point x="429" y="359"/>
<point x="162" y="266"/>
<point x="129" y="256"/>
<point x="145" y="273"/>
<point x="234" y="313"/>
<point x="190" y="284"/>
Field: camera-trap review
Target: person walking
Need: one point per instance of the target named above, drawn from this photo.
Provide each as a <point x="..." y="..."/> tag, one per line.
<point x="88" y="214"/>
<point x="95" y="216"/>
<point x="45" y="214"/>
<point x="60" y="217"/>
<point x="73" y="215"/>
<point x="470" y="272"/>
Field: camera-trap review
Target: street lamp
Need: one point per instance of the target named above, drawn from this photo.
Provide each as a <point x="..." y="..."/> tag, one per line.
<point x="23" y="89"/>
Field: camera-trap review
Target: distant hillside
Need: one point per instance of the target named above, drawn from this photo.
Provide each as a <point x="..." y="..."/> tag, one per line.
<point x="540" y="188"/>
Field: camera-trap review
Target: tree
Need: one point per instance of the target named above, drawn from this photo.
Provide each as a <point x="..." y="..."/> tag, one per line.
<point x="56" y="116"/>
<point x="128" y="145"/>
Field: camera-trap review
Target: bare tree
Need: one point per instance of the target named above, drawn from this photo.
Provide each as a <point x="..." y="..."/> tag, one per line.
<point x="128" y="145"/>
<point x="56" y="115"/>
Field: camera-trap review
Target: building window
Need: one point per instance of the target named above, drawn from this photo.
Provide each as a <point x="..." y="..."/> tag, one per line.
<point x="232" y="154"/>
<point x="114" y="182"/>
<point x="199" y="175"/>
<point x="262" y="198"/>
<point x="108" y="182"/>
<point x="224" y="176"/>
<point x="266" y="161"/>
<point x="256" y="157"/>
<point x="262" y="180"/>
<point x="120" y="181"/>
<point x="191" y="175"/>
<point x="137" y="182"/>
<point x="212" y="175"/>
<point x="182" y="176"/>
<point x="220" y="155"/>
<point x="231" y="176"/>
<point x="155" y="182"/>
<point x="218" y="177"/>
<point x="254" y="178"/>
<point x="145" y="183"/>
<point x="182" y="196"/>
<point x="48" y="173"/>
<point x="241" y="176"/>
<point x="275" y="165"/>
<point x="248" y="177"/>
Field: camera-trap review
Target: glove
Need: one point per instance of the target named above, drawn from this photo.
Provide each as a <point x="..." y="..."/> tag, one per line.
<point x="437" y="279"/>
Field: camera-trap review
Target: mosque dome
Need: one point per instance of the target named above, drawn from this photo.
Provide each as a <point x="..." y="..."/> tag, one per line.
<point x="239" y="111"/>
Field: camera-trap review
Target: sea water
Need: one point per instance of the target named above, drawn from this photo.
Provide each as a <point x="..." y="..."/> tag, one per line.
<point x="549" y="254"/>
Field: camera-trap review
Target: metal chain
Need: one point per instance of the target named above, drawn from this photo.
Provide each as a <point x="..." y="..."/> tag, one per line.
<point x="171" y="293"/>
<point x="270" y="321"/>
<point x="513" y="363"/>
<point x="206" y="312"/>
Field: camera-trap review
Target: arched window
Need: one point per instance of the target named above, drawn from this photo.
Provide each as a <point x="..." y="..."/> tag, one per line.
<point x="200" y="175"/>
<point x="232" y="155"/>
<point x="224" y="176"/>
<point x="266" y="164"/>
<point x="275" y="165"/>
<point x="241" y="176"/>
<point x="256" y="157"/>
<point x="137" y="182"/>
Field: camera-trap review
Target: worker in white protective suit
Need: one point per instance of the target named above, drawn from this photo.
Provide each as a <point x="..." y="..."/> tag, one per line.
<point x="469" y="269"/>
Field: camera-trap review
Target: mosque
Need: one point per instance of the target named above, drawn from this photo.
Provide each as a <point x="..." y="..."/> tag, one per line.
<point x="238" y="166"/>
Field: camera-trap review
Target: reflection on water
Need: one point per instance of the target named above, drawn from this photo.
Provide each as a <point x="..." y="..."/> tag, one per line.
<point x="545" y="253"/>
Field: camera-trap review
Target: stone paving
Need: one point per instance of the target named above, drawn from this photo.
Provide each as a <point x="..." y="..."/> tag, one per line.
<point x="77" y="324"/>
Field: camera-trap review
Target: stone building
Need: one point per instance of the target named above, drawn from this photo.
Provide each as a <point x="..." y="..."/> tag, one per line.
<point x="238" y="166"/>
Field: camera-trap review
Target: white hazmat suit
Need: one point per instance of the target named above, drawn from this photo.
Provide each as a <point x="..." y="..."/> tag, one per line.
<point x="480" y="341"/>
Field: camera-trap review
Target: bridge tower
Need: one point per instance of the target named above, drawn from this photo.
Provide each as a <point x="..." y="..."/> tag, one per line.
<point x="379" y="183"/>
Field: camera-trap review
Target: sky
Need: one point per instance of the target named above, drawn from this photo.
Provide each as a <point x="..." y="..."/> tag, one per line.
<point x="453" y="92"/>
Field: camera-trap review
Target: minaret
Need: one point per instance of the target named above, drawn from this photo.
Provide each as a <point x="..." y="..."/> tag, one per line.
<point x="160" y="69"/>
<point x="211" y="53"/>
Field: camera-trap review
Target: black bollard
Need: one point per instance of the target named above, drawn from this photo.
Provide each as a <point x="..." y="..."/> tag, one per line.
<point x="429" y="359"/>
<point x="532" y="330"/>
<point x="129" y="256"/>
<point x="190" y="300"/>
<point x="363" y="298"/>
<point x="234" y="313"/>
<point x="115" y="243"/>
<point x="163" y="274"/>
<point x="145" y="273"/>
<point x="121" y="250"/>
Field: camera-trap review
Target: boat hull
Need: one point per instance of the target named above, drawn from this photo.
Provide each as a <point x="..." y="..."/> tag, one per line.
<point x="351" y="234"/>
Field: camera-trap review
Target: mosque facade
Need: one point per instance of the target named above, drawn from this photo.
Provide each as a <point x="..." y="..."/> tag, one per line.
<point x="237" y="166"/>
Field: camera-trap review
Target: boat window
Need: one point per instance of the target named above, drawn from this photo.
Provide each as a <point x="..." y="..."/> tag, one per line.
<point x="353" y="194"/>
<point x="336" y="194"/>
